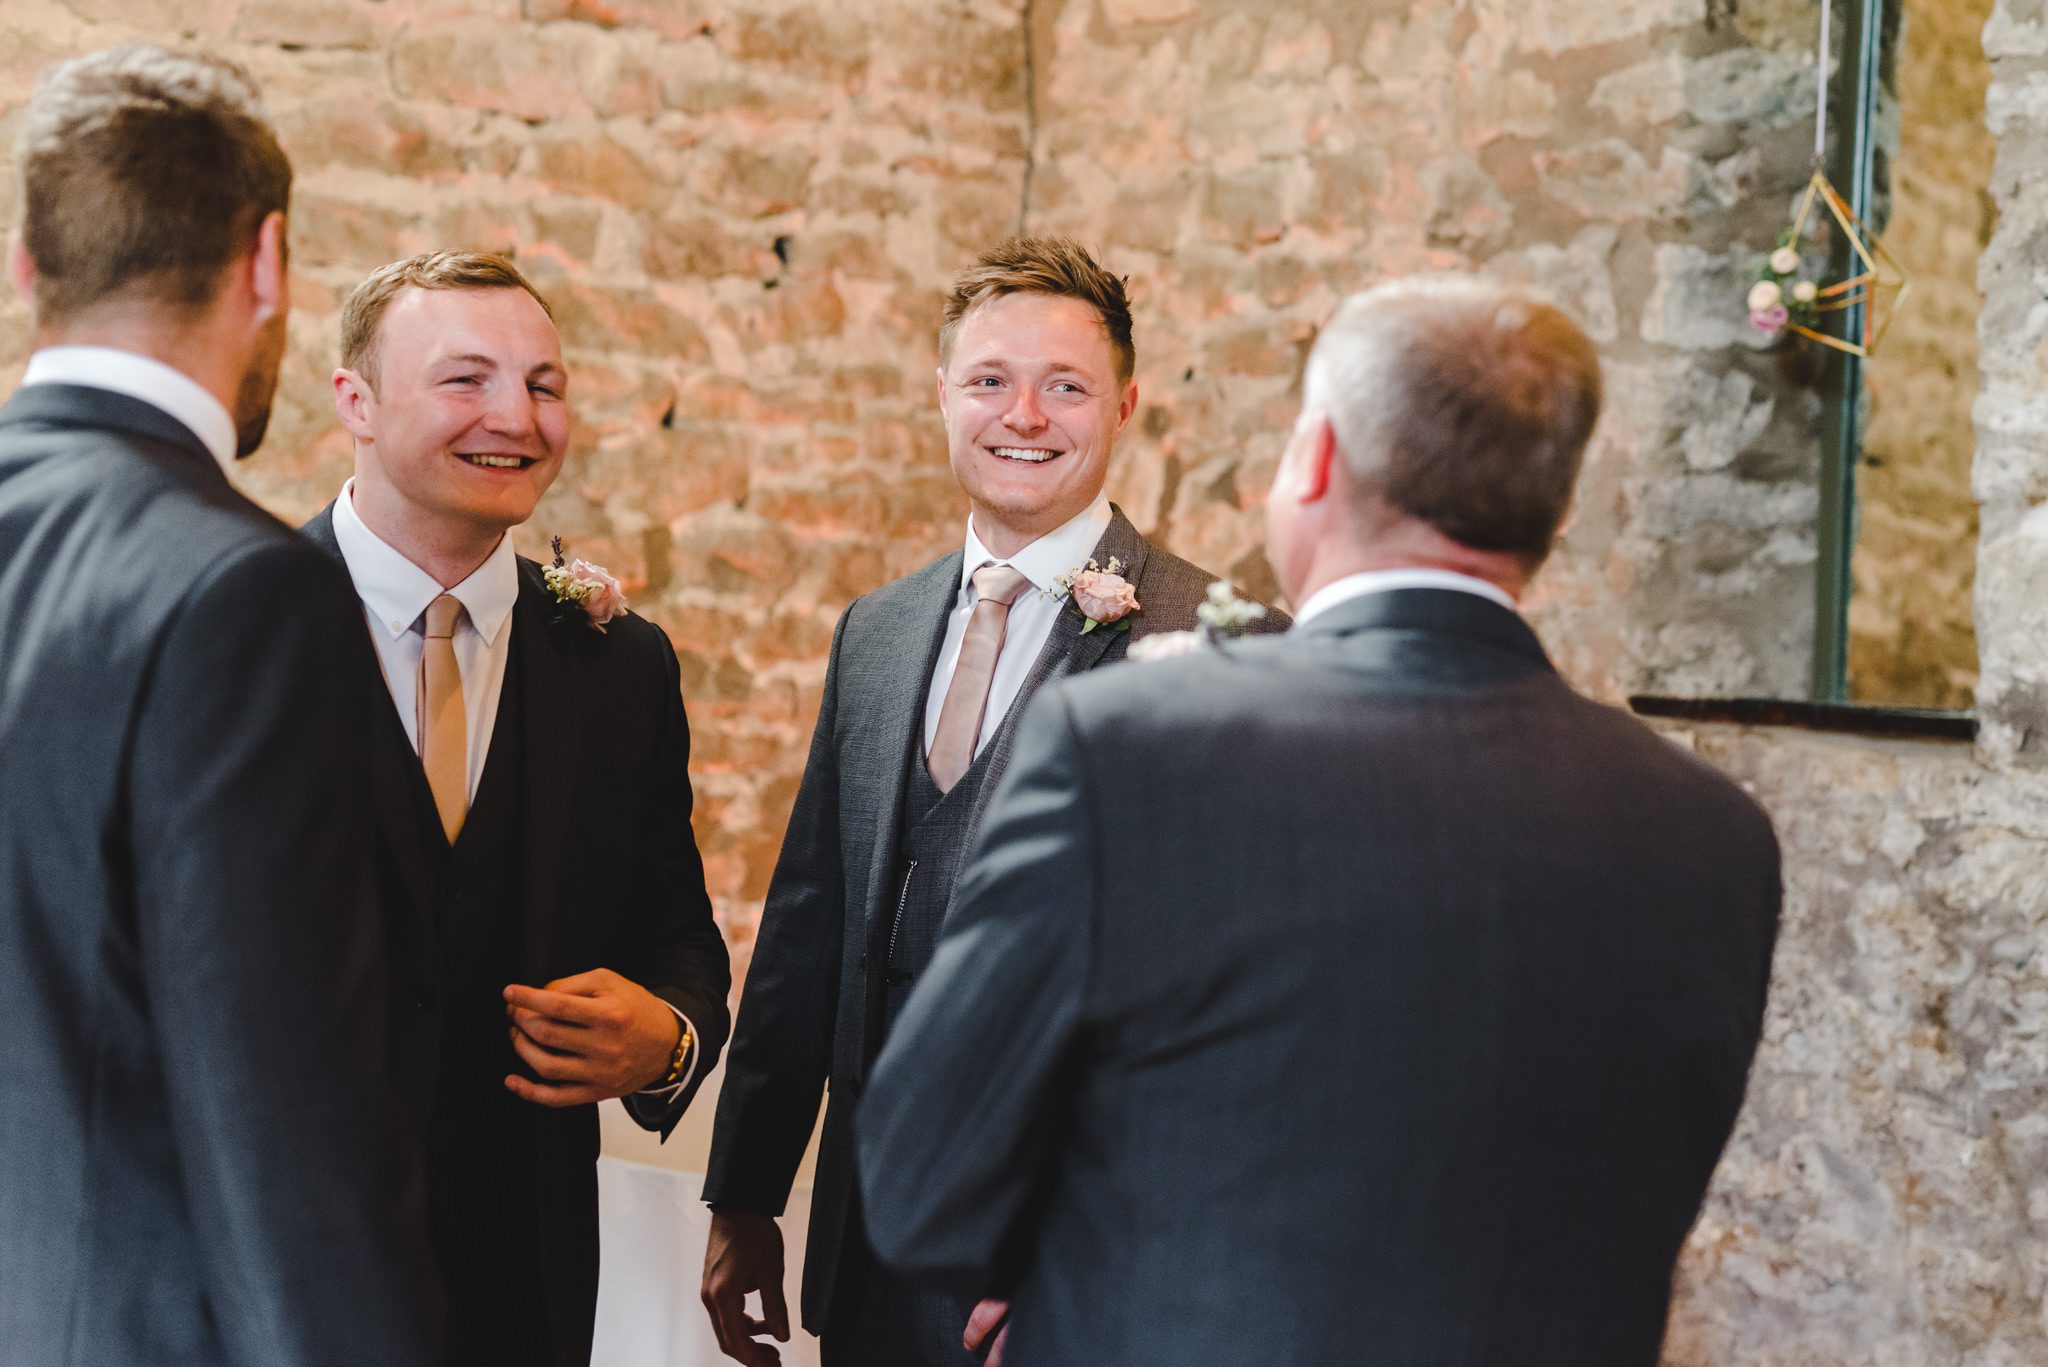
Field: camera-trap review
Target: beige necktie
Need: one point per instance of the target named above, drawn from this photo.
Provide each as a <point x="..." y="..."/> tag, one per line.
<point x="444" y="726"/>
<point x="996" y="587"/>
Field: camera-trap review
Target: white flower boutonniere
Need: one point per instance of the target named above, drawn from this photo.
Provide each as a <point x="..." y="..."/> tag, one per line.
<point x="1103" y="596"/>
<point x="585" y="589"/>
<point x="1224" y="613"/>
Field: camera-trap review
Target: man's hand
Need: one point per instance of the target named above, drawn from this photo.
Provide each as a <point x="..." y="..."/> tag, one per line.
<point x="744" y="1254"/>
<point x="981" y="1322"/>
<point x="589" y="1038"/>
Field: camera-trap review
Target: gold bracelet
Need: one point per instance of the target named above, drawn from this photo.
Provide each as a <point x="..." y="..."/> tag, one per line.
<point x="675" y="1060"/>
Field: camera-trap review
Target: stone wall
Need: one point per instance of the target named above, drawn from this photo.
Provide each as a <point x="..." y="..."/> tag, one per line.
<point x="746" y="212"/>
<point x="1251" y="163"/>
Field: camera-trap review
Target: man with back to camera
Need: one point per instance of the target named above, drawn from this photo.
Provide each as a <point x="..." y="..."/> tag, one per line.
<point x="203" y="1162"/>
<point x="927" y="677"/>
<point x="1362" y="994"/>
<point x="529" y="751"/>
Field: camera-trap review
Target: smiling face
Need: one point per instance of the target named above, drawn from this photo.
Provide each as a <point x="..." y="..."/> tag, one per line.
<point x="1033" y="406"/>
<point x="466" y="424"/>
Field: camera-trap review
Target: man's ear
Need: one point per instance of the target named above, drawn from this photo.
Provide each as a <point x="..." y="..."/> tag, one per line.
<point x="1318" y="461"/>
<point x="352" y="399"/>
<point x="1127" y="406"/>
<point x="269" y="276"/>
<point x="1305" y="466"/>
<point x="21" y="269"/>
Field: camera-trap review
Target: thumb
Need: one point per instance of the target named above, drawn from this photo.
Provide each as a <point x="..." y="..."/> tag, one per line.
<point x="981" y="1322"/>
<point x="775" y="1311"/>
<point x="590" y="984"/>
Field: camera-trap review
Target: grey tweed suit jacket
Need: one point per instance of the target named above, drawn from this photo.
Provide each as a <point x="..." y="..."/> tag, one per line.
<point x="1362" y="995"/>
<point x="803" y="1018"/>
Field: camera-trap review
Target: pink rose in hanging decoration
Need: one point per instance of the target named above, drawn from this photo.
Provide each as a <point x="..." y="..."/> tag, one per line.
<point x="1772" y="319"/>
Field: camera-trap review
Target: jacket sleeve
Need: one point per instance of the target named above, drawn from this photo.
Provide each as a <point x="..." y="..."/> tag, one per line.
<point x="782" y="1046"/>
<point x="964" y="1115"/>
<point x="262" y="959"/>
<point x="679" y="954"/>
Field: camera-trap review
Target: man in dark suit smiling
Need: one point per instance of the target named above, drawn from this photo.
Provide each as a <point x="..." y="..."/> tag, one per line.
<point x="927" y="677"/>
<point x="539" y="968"/>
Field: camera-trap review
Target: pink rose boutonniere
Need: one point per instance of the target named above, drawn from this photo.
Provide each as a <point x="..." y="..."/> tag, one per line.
<point x="1103" y="596"/>
<point x="581" y="587"/>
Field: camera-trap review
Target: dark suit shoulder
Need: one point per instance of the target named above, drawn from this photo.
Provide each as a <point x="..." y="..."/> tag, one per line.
<point x="630" y="639"/>
<point x="141" y="535"/>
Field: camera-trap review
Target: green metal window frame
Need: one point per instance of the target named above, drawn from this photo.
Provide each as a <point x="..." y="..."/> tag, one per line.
<point x="1856" y="86"/>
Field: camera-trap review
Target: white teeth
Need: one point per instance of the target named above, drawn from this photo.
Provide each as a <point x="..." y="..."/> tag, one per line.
<point x="1023" y="453"/>
<point x="495" y="462"/>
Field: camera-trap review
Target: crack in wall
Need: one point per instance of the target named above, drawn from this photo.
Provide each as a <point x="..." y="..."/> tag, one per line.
<point x="1030" y="114"/>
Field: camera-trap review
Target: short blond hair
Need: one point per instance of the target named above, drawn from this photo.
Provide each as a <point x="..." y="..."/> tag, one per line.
<point x="362" y="313"/>
<point x="1058" y="266"/>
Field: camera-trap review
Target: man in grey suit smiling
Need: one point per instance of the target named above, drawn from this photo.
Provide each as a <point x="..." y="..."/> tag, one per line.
<point x="926" y="680"/>
<point x="1361" y="995"/>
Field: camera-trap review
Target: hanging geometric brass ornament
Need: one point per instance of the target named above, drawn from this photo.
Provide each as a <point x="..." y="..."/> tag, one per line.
<point x="1782" y="302"/>
<point x="1880" y="286"/>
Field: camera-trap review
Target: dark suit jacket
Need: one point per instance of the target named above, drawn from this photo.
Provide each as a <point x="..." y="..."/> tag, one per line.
<point x="199" y="1160"/>
<point x="606" y="749"/>
<point x="803" y="1016"/>
<point x="1362" y="995"/>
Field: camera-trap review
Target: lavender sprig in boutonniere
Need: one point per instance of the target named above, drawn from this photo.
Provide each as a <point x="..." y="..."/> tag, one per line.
<point x="583" y="589"/>
<point x="1223" y="616"/>
<point x="1103" y="596"/>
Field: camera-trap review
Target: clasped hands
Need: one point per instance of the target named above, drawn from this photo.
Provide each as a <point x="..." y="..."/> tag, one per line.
<point x="589" y="1037"/>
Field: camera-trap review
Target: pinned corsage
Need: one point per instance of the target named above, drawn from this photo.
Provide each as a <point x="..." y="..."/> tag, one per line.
<point x="1103" y="596"/>
<point x="1224" y="613"/>
<point x="581" y="587"/>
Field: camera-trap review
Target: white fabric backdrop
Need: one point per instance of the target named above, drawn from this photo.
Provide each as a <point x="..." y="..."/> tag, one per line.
<point x="652" y="1227"/>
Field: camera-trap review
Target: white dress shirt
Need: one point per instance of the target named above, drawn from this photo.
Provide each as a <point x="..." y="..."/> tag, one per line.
<point x="1058" y="552"/>
<point x="1386" y="581"/>
<point x="139" y="377"/>
<point x="395" y="594"/>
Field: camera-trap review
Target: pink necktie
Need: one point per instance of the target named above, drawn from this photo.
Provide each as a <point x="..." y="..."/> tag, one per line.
<point x="444" y="726"/>
<point x="995" y="587"/>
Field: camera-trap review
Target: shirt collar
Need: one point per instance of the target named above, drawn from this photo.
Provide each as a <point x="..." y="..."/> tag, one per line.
<point x="1059" y="552"/>
<point x="1386" y="581"/>
<point x="140" y="377"/>
<point x="396" y="591"/>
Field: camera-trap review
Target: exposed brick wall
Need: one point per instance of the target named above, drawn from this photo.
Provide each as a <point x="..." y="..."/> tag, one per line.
<point x="746" y="213"/>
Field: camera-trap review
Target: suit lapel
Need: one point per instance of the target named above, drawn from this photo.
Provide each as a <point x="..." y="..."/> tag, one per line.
<point x="1070" y="649"/>
<point x="897" y="722"/>
<point x="551" y="728"/>
<point x="393" y="766"/>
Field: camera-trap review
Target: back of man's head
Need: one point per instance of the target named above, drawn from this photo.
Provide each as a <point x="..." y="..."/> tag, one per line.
<point x="1463" y="403"/>
<point x="145" y="173"/>
<point x="1056" y="266"/>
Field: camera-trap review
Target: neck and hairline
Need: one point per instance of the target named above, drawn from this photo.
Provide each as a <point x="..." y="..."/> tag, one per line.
<point x="187" y="346"/>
